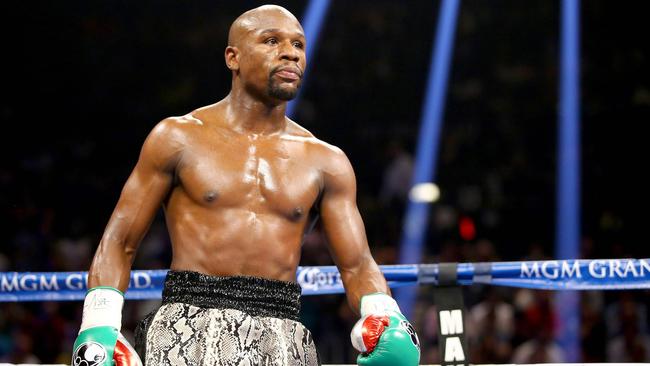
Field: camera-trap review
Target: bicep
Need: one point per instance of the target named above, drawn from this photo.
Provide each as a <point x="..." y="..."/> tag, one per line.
<point x="346" y="234"/>
<point x="342" y="222"/>
<point x="139" y="201"/>
<point x="144" y="190"/>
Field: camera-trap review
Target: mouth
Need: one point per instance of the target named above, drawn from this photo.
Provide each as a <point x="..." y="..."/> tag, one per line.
<point x="289" y="73"/>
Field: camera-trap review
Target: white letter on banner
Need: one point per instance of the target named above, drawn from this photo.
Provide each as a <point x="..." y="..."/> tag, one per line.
<point x="552" y="275"/>
<point x="451" y="322"/>
<point x="596" y="270"/>
<point x="568" y="271"/>
<point x="306" y="279"/>
<point x="141" y="280"/>
<point x="25" y="286"/>
<point x="525" y="272"/>
<point x="615" y="266"/>
<point x="629" y="267"/>
<point x="644" y="265"/>
<point x="9" y="286"/>
<point x="78" y="285"/>
<point x="454" y="350"/>
<point x="52" y="285"/>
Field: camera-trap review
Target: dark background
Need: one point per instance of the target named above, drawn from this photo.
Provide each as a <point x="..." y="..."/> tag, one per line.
<point x="84" y="82"/>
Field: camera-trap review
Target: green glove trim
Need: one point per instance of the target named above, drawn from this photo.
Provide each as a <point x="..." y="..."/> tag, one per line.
<point x="95" y="346"/>
<point x="106" y="288"/>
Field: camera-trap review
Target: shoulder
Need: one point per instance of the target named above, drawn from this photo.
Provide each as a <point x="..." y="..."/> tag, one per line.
<point x="175" y="132"/>
<point x="175" y="128"/>
<point x="333" y="164"/>
<point x="326" y="153"/>
<point x="167" y="140"/>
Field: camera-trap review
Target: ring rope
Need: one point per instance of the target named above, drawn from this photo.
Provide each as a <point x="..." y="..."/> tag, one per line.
<point x="594" y="274"/>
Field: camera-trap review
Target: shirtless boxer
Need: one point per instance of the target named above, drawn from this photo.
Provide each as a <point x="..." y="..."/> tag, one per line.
<point x="240" y="183"/>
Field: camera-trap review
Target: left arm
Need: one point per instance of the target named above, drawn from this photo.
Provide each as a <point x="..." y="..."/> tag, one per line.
<point x="346" y="234"/>
<point x="382" y="334"/>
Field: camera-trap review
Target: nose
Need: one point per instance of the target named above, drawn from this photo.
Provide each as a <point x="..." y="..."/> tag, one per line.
<point x="289" y="52"/>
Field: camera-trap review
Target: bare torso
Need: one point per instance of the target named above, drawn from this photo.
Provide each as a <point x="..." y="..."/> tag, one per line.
<point x="240" y="203"/>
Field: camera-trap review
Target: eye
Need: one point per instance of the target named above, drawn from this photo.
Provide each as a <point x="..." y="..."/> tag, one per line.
<point x="271" y="40"/>
<point x="298" y="44"/>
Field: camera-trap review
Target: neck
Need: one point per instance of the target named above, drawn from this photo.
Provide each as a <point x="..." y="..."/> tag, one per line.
<point x="248" y="114"/>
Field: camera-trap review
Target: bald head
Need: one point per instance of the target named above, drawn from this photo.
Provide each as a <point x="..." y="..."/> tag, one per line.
<point x="266" y="53"/>
<point x="255" y="19"/>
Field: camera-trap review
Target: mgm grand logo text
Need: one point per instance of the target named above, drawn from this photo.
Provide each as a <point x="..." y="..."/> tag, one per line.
<point x="611" y="268"/>
<point x="11" y="282"/>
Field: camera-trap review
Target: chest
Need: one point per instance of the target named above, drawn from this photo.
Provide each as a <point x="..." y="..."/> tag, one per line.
<point x="257" y="175"/>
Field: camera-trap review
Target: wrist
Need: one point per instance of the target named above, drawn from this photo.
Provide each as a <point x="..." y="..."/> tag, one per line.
<point x="102" y="307"/>
<point x="378" y="303"/>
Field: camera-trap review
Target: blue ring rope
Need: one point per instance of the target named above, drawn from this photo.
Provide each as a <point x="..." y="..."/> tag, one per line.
<point x="594" y="274"/>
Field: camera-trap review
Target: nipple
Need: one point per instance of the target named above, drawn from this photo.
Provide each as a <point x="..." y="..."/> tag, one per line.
<point x="210" y="196"/>
<point x="297" y="213"/>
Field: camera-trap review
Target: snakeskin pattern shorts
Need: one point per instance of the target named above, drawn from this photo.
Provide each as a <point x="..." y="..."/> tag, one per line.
<point x="198" y="331"/>
<point x="182" y="334"/>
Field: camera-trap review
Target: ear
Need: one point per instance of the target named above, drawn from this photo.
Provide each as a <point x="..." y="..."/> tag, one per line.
<point x="232" y="58"/>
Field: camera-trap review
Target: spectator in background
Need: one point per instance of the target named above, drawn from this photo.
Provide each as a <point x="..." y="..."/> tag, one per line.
<point x="396" y="181"/>
<point x="537" y="326"/>
<point x="592" y="326"/>
<point x="22" y="348"/>
<point x="628" y="340"/>
<point x="491" y="328"/>
<point x="394" y="190"/>
<point x="622" y="310"/>
<point x="631" y="346"/>
<point x="540" y="349"/>
<point x="429" y="335"/>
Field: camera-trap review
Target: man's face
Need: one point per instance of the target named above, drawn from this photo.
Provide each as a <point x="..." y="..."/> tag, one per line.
<point x="272" y="56"/>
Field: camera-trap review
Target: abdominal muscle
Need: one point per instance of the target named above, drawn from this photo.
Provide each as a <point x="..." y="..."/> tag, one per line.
<point x="235" y="241"/>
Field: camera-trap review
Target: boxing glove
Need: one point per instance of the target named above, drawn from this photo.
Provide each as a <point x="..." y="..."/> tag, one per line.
<point x="99" y="342"/>
<point x="383" y="335"/>
<point x="124" y="354"/>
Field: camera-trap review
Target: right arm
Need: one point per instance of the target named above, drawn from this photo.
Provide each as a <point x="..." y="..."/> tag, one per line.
<point x="139" y="201"/>
<point x="99" y="341"/>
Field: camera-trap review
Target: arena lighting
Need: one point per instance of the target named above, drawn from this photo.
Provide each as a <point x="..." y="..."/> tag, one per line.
<point x="417" y="213"/>
<point x="424" y="192"/>
<point x="567" y="226"/>
<point x="312" y="22"/>
<point x="467" y="228"/>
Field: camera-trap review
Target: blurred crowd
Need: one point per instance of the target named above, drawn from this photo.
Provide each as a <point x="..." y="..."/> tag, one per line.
<point x="87" y="81"/>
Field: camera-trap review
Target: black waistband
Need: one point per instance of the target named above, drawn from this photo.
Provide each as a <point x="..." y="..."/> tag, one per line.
<point x="253" y="295"/>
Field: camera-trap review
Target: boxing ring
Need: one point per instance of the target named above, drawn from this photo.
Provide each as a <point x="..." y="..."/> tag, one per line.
<point x="507" y="364"/>
<point x="557" y="275"/>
